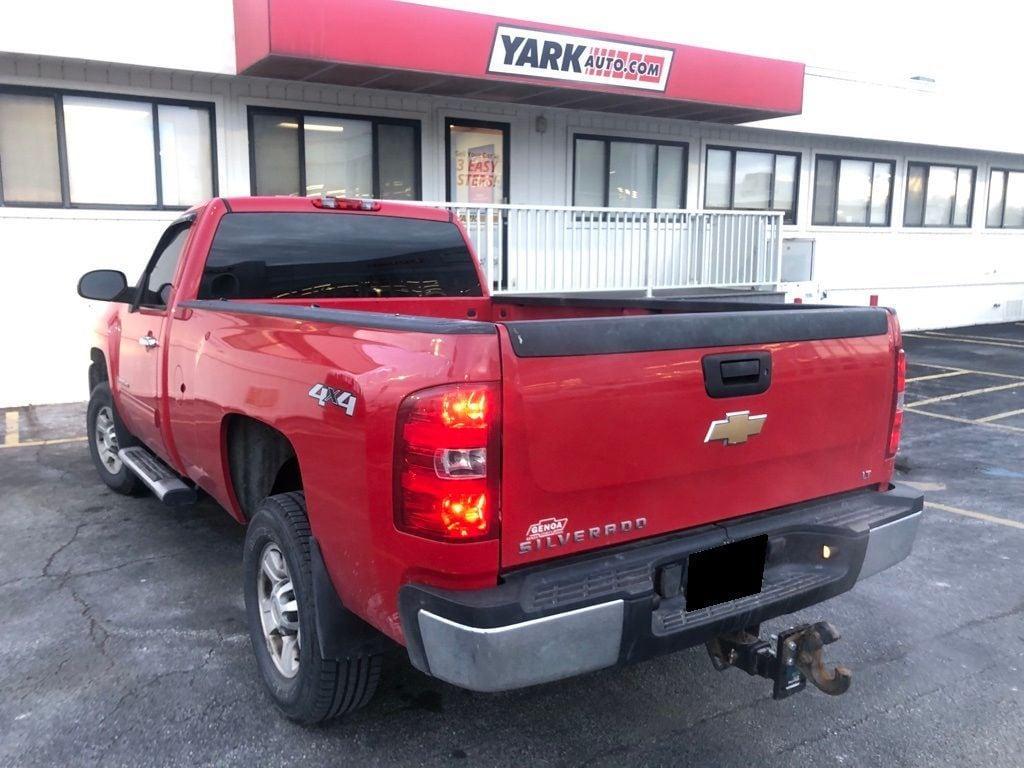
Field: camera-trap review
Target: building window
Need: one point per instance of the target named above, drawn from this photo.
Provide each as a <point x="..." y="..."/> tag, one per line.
<point x="851" y="191"/>
<point x="629" y="173"/>
<point x="70" y="149"/>
<point x="752" y="180"/>
<point x="1005" y="200"/>
<point x="305" y="153"/>
<point x="938" y="196"/>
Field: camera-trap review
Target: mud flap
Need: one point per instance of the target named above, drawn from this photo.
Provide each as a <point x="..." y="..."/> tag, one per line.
<point x="341" y="634"/>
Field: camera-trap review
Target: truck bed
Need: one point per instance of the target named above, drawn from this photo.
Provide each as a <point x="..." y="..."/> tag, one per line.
<point x="607" y="409"/>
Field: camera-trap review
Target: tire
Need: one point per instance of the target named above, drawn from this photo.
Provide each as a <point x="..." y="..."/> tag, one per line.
<point x="106" y="434"/>
<point x="307" y="687"/>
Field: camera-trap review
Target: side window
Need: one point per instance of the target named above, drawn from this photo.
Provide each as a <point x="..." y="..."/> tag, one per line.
<point x="157" y="281"/>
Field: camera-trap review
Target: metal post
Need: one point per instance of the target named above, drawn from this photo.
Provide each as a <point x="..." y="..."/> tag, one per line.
<point x="648" y="250"/>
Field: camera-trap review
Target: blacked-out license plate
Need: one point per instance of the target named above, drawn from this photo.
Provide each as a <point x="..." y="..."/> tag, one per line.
<point x="725" y="573"/>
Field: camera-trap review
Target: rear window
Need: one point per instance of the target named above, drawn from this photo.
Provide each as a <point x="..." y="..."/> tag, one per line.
<point x="335" y="255"/>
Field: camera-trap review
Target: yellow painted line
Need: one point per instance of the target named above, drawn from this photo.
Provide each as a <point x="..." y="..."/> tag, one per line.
<point x="962" y="340"/>
<point x="976" y="515"/>
<point x="927" y="487"/>
<point x="931" y="376"/>
<point x="58" y="441"/>
<point x="968" y="393"/>
<point x="11" y="428"/>
<point x="1004" y="415"/>
<point x="958" y="420"/>
<point x="973" y="336"/>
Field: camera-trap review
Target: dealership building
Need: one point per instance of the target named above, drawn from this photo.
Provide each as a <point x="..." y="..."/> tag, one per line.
<point x="579" y="160"/>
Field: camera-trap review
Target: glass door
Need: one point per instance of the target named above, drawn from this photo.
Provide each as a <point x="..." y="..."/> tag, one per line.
<point x="477" y="161"/>
<point x="478" y="175"/>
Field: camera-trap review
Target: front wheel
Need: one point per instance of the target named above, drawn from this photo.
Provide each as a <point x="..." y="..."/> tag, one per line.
<point x="106" y="437"/>
<point x="307" y="687"/>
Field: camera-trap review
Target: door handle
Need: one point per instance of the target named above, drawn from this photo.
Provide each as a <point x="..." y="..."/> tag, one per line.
<point x="148" y="341"/>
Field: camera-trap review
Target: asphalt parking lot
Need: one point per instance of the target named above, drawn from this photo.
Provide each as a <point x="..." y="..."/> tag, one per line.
<point x="124" y="640"/>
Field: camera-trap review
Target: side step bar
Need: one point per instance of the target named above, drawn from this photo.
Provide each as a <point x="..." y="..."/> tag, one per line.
<point x="158" y="477"/>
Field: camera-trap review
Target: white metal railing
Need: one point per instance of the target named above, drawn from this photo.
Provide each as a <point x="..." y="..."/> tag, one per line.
<point x="542" y="248"/>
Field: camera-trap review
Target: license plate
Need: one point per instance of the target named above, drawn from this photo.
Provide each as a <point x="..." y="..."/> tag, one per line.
<point x="725" y="573"/>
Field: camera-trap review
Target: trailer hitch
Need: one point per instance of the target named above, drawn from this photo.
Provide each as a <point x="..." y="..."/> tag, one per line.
<point x="796" y="658"/>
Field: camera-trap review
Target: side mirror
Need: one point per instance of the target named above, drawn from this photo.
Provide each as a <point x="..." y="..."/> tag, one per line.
<point x="104" y="285"/>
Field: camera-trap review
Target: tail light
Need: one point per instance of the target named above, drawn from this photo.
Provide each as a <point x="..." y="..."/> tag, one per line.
<point x="899" y="395"/>
<point x="447" y="463"/>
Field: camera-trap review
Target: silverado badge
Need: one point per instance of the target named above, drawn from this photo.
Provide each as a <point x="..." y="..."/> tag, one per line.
<point x="735" y="428"/>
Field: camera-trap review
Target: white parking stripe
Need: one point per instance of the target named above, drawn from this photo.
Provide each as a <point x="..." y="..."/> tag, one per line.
<point x="959" y="420"/>
<point x="965" y="370"/>
<point x="931" y="376"/>
<point x="1005" y="415"/>
<point x="968" y="393"/>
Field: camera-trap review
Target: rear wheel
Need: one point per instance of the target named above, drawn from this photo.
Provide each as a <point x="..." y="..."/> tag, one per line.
<point x="307" y="687"/>
<point x="106" y="437"/>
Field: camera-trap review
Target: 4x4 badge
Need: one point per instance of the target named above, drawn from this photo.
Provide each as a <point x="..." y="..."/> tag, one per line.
<point x="735" y="428"/>
<point x="324" y="395"/>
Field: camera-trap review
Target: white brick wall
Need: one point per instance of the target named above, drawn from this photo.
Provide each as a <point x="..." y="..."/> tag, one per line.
<point x="934" y="278"/>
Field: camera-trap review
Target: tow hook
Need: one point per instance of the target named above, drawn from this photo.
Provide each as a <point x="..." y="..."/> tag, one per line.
<point x="796" y="658"/>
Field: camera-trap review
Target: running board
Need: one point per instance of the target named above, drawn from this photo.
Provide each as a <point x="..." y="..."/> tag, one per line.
<point x="158" y="477"/>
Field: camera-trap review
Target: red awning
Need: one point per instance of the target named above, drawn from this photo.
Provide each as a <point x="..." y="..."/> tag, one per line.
<point x="422" y="49"/>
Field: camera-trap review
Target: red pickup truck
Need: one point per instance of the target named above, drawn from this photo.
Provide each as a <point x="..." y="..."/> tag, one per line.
<point x="517" y="489"/>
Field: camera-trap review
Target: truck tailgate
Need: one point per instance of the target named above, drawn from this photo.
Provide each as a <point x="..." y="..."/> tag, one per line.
<point x="609" y="428"/>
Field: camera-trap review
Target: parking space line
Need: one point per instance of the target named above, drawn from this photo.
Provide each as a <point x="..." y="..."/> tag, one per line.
<point x="56" y="441"/>
<point x="973" y="336"/>
<point x="931" y="376"/>
<point x="966" y="370"/>
<point x="11" y="436"/>
<point x="968" y="393"/>
<point x="976" y="515"/>
<point x="1004" y="415"/>
<point x="959" y="420"/>
<point x="962" y="340"/>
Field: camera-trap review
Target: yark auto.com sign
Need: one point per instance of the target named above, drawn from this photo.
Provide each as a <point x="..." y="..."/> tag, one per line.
<point x="532" y="53"/>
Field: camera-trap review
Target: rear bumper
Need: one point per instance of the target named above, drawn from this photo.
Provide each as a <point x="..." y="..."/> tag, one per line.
<point x="577" y="615"/>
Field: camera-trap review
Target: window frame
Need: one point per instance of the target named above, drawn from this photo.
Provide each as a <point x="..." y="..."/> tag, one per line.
<point x="1002" y="209"/>
<point x="732" y="150"/>
<point x="835" y="195"/>
<point x="608" y="139"/>
<point x="924" y="195"/>
<point x="58" y="94"/>
<point x="182" y="223"/>
<point x="374" y="120"/>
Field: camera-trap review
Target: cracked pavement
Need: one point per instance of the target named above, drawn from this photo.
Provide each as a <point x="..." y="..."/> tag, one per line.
<point x="125" y="644"/>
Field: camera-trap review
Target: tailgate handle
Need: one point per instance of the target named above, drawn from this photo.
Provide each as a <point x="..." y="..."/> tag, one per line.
<point x="741" y="369"/>
<point x="737" y="373"/>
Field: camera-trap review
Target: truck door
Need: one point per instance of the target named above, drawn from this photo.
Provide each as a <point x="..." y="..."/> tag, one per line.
<point x="142" y="356"/>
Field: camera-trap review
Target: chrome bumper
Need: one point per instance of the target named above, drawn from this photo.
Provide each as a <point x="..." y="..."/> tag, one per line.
<point x="489" y="641"/>
<point x="888" y="544"/>
<point x="527" y="653"/>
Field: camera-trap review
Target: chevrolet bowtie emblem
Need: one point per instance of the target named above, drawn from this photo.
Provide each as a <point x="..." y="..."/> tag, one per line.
<point x="735" y="428"/>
